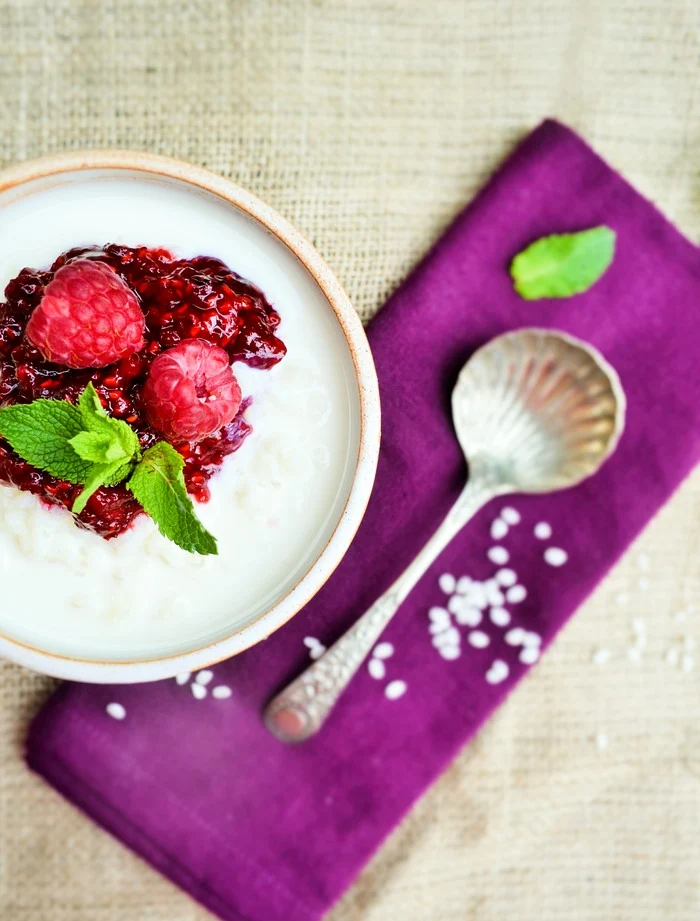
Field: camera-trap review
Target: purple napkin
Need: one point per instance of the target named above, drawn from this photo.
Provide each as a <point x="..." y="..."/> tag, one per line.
<point x="258" y="831"/>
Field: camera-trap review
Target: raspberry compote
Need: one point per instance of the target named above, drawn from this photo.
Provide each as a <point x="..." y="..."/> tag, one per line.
<point x="198" y="298"/>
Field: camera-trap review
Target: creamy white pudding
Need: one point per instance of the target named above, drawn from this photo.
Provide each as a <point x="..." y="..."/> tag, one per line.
<point x="275" y="502"/>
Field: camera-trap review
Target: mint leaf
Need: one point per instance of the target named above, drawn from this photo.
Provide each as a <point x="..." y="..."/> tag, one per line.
<point x="121" y="473"/>
<point x="110" y="444"/>
<point x="100" y="475"/>
<point x="158" y="484"/>
<point x="128" y="439"/>
<point x="100" y="449"/>
<point x="96" y="420"/>
<point x="563" y="264"/>
<point x="90" y="406"/>
<point x="40" y="432"/>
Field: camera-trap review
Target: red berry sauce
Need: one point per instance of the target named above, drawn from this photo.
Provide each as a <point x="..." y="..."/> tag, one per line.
<point x="197" y="298"/>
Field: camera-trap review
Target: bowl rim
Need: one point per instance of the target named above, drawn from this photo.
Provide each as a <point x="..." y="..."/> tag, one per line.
<point x="322" y="567"/>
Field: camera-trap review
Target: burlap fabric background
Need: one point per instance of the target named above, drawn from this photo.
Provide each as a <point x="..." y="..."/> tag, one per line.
<point x="369" y="124"/>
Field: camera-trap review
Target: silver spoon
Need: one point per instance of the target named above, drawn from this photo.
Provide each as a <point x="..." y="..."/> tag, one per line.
<point x="534" y="411"/>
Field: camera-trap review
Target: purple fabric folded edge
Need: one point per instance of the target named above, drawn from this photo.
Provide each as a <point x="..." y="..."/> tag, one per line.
<point x="92" y="805"/>
<point x="43" y="758"/>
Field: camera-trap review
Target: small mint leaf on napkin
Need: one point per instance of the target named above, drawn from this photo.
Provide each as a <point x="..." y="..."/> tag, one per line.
<point x="159" y="485"/>
<point x="563" y="264"/>
<point x="40" y="432"/>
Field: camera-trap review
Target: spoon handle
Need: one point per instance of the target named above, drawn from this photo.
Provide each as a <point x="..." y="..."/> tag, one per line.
<point x="300" y="710"/>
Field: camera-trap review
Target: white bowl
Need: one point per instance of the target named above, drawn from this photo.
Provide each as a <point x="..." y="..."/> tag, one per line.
<point x="50" y="205"/>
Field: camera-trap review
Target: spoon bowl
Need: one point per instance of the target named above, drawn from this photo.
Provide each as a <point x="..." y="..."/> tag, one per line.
<point x="537" y="410"/>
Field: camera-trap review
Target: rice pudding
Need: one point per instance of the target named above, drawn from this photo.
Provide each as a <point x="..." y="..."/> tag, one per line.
<point x="272" y="504"/>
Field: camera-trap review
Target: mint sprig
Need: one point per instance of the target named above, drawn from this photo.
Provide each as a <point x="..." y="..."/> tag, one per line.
<point x="97" y="422"/>
<point x="84" y="445"/>
<point x="563" y="264"/>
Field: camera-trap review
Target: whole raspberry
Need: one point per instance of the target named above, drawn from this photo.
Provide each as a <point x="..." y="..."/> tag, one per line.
<point x="191" y="391"/>
<point x="87" y="318"/>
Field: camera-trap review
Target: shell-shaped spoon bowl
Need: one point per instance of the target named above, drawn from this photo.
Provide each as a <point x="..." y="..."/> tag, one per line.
<point x="539" y="410"/>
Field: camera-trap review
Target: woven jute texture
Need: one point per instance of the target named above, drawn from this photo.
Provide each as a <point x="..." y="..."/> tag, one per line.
<point x="369" y="124"/>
